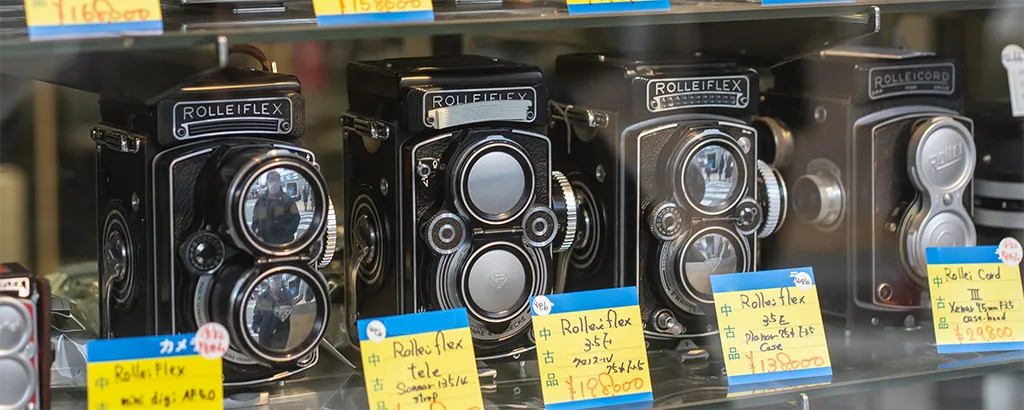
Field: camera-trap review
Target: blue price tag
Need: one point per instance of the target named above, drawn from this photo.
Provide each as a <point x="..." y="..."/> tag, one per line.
<point x="794" y="2"/>
<point x="615" y="6"/>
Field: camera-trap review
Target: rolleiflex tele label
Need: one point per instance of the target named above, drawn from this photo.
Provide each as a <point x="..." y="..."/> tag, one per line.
<point x="911" y="79"/>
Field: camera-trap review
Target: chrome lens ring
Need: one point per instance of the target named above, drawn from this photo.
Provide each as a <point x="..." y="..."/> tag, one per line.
<point x="715" y="168"/>
<point x="201" y="311"/>
<point x="490" y="268"/>
<point x="244" y="291"/>
<point x="708" y="252"/>
<point x="368" y="242"/>
<point x="588" y="228"/>
<point x="262" y="167"/>
<point x="494" y="181"/>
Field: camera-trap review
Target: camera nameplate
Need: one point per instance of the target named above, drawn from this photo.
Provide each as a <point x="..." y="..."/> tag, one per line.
<point x="917" y="79"/>
<point x="505" y="105"/>
<point x="668" y="94"/>
<point x="209" y="118"/>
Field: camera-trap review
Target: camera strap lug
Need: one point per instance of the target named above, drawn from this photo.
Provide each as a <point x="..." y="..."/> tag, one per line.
<point x="115" y="139"/>
<point x="582" y="121"/>
<point x="373" y="129"/>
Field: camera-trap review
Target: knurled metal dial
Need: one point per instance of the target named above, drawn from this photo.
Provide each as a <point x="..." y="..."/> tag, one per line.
<point x="563" y="189"/>
<point x="775" y="199"/>
<point x="330" y="242"/>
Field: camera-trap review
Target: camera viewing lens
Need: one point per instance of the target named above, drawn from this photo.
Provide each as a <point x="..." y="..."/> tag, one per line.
<point x="708" y="255"/>
<point x="279" y="206"/>
<point x="496" y="183"/>
<point x="281" y="313"/>
<point x="711" y="178"/>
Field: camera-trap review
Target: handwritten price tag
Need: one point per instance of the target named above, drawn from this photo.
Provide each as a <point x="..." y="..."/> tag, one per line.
<point x="770" y="325"/>
<point x="420" y="361"/>
<point x="78" y="18"/>
<point x="977" y="301"/>
<point x="590" y="349"/>
<point x="615" y="6"/>
<point x="341" y="12"/>
<point x="168" y="372"/>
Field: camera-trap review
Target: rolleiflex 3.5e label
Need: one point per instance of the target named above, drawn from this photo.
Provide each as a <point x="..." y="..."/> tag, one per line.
<point x="194" y="119"/>
<point x="677" y="93"/>
<point x="911" y="79"/>
<point x="448" y="108"/>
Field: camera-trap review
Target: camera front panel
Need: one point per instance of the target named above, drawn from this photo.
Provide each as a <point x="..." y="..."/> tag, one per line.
<point x="696" y="215"/>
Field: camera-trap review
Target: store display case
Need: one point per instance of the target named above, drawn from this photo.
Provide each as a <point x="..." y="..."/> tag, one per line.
<point x="297" y="182"/>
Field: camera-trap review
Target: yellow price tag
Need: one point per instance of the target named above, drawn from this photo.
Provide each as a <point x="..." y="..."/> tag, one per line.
<point x="977" y="300"/>
<point x="166" y="372"/>
<point x="85" y="17"/>
<point x="770" y="326"/>
<point x="369" y="11"/>
<point x="421" y="361"/>
<point x="590" y="349"/>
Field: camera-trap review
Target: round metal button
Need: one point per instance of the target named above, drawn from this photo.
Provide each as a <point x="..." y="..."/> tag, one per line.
<point x="497" y="281"/>
<point x="15" y="323"/>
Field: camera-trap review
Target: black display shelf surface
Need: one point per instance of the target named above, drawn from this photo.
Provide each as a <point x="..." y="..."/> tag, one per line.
<point x="861" y="361"/>
<point x="299" y="24"/>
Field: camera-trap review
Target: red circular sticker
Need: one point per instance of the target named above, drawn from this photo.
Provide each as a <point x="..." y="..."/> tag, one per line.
<point x="212" y="340"/>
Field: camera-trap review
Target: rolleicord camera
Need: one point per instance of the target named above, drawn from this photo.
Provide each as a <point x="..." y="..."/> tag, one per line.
<point x="452" y="201"/>
<point x="880" y="163"/>
<point x="999" y="179"/>
<point x="663" y="161"/>
<point x="24" y="339"/>
<point x="212" y="213"/>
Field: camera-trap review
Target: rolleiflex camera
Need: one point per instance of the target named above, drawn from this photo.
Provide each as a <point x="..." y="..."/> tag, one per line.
<point x="663" y="161"/>
<point x="452" y="201"/>
<point x="999" y="178"/>
<point x="210" y="212"/>
<point x="24" y="339"/>
<point x="879" y="163"/>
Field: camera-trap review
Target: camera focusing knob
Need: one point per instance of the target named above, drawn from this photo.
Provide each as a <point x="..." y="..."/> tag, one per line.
<point x="566" y="209"/>
<point x="445" y="233"/>
<point x="203" y="253"/>
<point x="773" y="198"/>
<point x="329" y="244"/>
<point x="818" y="198"/>
<point x="666" y="221"/>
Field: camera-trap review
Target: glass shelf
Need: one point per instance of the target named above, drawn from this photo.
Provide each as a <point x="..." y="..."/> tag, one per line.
<point x="299" y="24"/>
<point x="861" y="362"/>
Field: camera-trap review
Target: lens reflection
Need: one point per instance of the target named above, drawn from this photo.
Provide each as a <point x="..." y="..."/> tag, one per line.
<point x="710" y="254"/>
<point x="279" y="206"/>
<point x="496" y="184"/>
<point x="281" y="312"/>
<point x="711" y="178"/>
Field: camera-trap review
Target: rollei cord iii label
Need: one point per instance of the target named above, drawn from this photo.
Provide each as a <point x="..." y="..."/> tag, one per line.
<point x="677" y="93"/>
<point x="456" y="107"/>
<point x="911" y="79"/>
<point x="193" y="119"/>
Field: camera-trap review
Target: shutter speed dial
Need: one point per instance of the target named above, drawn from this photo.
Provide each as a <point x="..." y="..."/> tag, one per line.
<point x="203" y="253"/>
<point x="666" y="221"/>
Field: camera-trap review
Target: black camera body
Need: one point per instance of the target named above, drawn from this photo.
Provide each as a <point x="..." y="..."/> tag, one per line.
<point x="879" y="162"/>
<point x="999" y="178"/>
<point x="210" y="212"/>
<point x="663" y="160"/>
<point x="25" y="347"/>
<point x="451" y="198"/>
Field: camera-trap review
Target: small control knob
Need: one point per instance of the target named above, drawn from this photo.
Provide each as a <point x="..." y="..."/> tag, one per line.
<point x="818" y="198"/>
<point x="445" y="233"/>
<point x="566" y="208"/>
<point x="540" y="226"/>
<point x="203" y="252"/>
<point x="665" y="322"/>
<point x="666" y="221"/>
<point x="773" y="198"/>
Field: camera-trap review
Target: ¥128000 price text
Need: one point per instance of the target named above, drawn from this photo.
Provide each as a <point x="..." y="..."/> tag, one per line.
<point x="96" y="11"/>
<point x="782" y="362"/>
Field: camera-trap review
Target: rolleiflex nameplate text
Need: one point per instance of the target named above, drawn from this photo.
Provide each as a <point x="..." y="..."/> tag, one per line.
<point x="911" y="79"/>
<point x="677" y="93"/>
<point x="506" y="104"/>
<point x="194" y="119"/>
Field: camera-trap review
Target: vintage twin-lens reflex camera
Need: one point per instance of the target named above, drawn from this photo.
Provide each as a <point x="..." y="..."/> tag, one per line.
<point x="24" y="339"/>
<point x="210" y="212"/>
<point x="663" y="161"/>
<point x="879" y="162"/>
<point x="452" y="201"/>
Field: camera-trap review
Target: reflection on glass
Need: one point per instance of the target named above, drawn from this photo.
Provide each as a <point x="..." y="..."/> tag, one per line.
<point x="710" y="254"/>
<point x="711" y="179"/>
<point x="279" y="206"/>
<point x="281" y="312"/>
